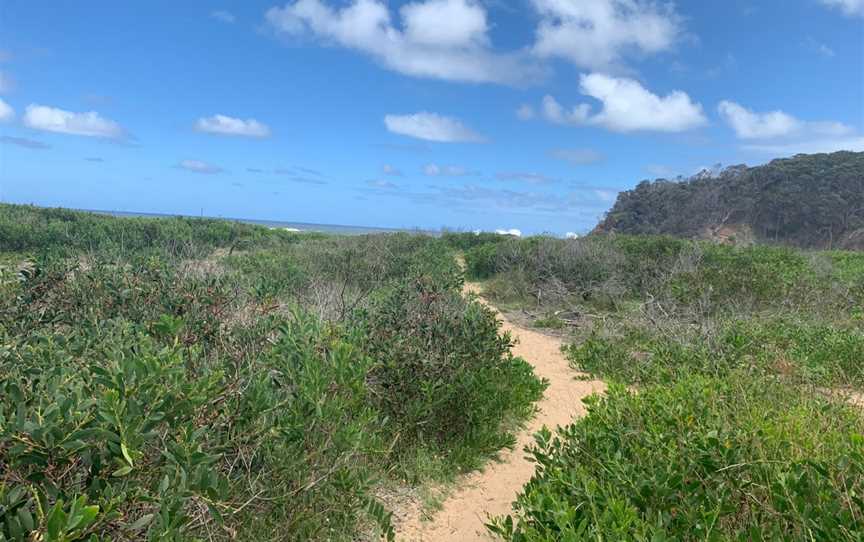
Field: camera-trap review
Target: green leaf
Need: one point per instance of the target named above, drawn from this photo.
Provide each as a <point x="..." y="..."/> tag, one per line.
<point x="56" y="521"/>
<point x="126" y="454"/>
<point x="122" y="471"/>
<point x="141" y="522"/>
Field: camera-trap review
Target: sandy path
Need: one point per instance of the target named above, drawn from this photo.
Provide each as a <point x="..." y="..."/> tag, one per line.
<point x="491" y="492"/>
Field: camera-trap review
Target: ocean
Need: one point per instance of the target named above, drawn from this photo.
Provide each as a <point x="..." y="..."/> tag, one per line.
<point x="300" y="226"/>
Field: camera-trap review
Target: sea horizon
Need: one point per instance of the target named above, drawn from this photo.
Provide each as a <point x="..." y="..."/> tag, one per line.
<point x="348" y="229"/>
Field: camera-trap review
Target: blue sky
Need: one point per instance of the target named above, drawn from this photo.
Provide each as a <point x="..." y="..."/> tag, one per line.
<point x="470" y="114"/>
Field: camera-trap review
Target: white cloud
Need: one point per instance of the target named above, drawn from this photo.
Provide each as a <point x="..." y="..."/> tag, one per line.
<point x="576" y="157"/>
<point x="197" y="166"/>
<point x="513" y="231"/>
<point x="849" y="7"/>
<point x="571" y="235"/>
<point x="431" y="127"/>
<point x="555" y="112"/>
<point x="443" y="39"/>
<point x="224" y="125"/>
<point x="6" y="112"/>
<point x="434" y="170"/>
<point x="391" y="170"/>
<point x="596" y="34"/>
<point x="90" y="124"/>
<point x="224" y="16"/>
<point x="525" y="112"/>
<point x="779" y="133"/>
<point x="748" y="124"/>
<point x="627" y="107"/>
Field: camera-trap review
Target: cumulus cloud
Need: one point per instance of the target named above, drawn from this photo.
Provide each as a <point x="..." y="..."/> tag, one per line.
<point x="24" y="142"/>
<point x="443" y="39"/>
<point x="627" y="106"/>
<point x="512" y="231"/>
<point x="197" y="166"/>
<point x="434" y="170"/>
<point x="89" y="124"/>
<point x="571" y="235"/>
<point x="777" y="132"/>
<point x="577" y="157"/>
<point x="225" y="125"/>
<point x="849" y="7"/>
<point x="223" y="16"/>
<point x="597" y="34"/>
<point x="750" y="125"/>
<point x="431" y="127"/>
<point x="6" y="112"/>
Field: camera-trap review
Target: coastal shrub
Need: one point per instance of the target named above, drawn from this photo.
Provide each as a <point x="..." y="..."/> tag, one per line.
<point x="154" y="388"/>
<point x="445" y="377"/>
<point x="703" y="459"/>
<point x="805" y="351"/>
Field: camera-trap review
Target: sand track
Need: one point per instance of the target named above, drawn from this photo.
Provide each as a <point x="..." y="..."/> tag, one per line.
<point x="490" y="492"/>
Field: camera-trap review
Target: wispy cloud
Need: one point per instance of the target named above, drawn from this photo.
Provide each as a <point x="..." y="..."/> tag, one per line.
<point x="431" y="127"/>
<point x="223" y="16"/>
<point x="526" y="177"/>
<point x="197" y="166"/>
<point x="230" y="126"/>
<point x="6" y="112"/>
<point x="819" y="47"/>
<point x="435" y="170"/>
<point x="311" y="176"/>
<point x="849" y="7"/>
<point x="24" y="142"/>
<point x="391" y="170"/>
<point x="577" y="157"/>
<point x="380" y="183"/>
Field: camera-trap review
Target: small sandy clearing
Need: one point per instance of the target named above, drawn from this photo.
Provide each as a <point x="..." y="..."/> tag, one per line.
<point x="480" y="495"/>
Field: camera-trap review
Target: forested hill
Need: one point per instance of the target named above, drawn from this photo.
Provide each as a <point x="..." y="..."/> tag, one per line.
<point x="814" y="200"/>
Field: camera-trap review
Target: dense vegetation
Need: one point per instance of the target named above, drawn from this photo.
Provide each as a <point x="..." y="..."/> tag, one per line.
<point x="728" y="419"/>
<point x="807" y="201"/>
<point x="179" y="379"/>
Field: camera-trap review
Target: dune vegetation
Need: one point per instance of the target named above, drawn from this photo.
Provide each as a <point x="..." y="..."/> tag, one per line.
<point x="193" y="379"/>
<point x="732" y="374"/>
<point x="186" y="379"/>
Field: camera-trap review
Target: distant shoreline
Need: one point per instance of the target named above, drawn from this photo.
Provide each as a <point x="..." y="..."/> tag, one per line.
<point x="299" y="226"/>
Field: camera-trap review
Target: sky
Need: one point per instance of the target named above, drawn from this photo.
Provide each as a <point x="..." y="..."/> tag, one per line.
<point x="466" y="114"/>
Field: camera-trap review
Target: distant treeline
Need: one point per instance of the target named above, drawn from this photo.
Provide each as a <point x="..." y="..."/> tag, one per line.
<point x="814" y="201"/>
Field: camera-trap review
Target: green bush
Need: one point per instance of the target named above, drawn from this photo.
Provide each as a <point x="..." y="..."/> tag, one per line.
<point x="801" y="351"/>
<point x="155" y="388"/>
<point x="445" y="377"/>
<point x="704" y="459"/>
